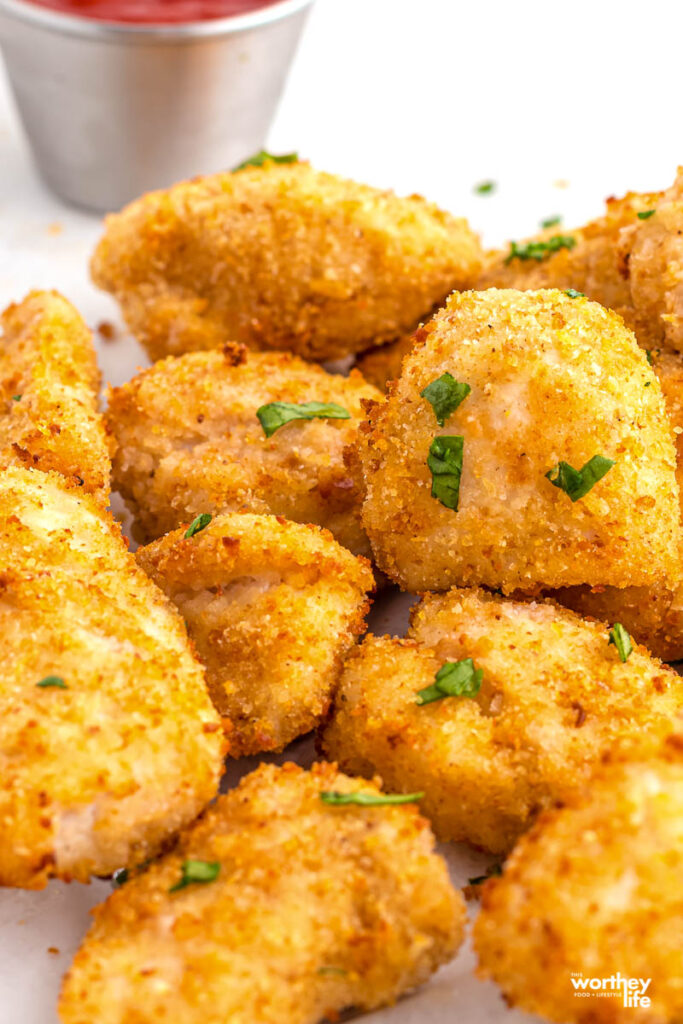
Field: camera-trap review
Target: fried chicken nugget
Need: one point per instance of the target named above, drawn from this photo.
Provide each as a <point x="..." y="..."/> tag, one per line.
<point x="310" y="909"/>
<point x="280" y="256"/>
<point x="108" y="739"/>
<point x="272" y="607"/>
<point x="594" y="892"/>
<point x="189" y="441"/>
<point x="380" y="365"/>
<point x="554" y="699"/>
<point x="554" y="465"/>
<point x="49" y="385"/>
<point x="630" y="260"/>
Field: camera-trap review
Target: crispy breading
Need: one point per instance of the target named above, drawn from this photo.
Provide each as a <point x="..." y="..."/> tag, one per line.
<point x="632" y="265"/>
<point x="653" y="615"/>
<point x="554" y="700"/>
<point x="49" y="384"/>
<point x="272" y="608"/>
<point x="100" y="771"/>
<point x="594" y="891"/>
<point x="283" y="257"/>
<point x="189" y="441"/>
<point x="315" y="908"/>
<point x="380" y="365"/>
<point x="552" y="379"/>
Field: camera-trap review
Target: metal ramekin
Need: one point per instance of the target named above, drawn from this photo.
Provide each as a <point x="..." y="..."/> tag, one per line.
<point x="113" y="110"/>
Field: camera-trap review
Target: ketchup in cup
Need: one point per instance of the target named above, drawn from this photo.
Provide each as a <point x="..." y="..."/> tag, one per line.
<point x="156" y="12"/>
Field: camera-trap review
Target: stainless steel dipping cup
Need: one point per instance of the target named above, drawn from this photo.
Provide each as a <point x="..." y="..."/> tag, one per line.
<point x="113" y="110"/>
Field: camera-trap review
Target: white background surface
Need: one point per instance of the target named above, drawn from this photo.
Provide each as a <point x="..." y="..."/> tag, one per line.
<point x="430" y="96"/>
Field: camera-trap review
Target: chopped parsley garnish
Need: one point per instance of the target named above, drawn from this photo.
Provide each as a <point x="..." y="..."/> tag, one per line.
<point x="573" y="294"/>
<point x="536" y="250"/>
<point x="17" y="398"/>
<point x="331" y="796"/>
<point x="648" y="356"/>
<point x="198" y="524"/>
<point x="445" y="395"/>
<point x="494" y="870"/>
<point x="621" y="640"/>
<point x="264" y="157"/>
<point x="645" y="214"/>
<point x="550" y="222"/>
<point x="485" y="188"/>
<point x="196" y="872"/>
<point x="52" y="681"/>
<point x="119" y="878"/>
<point x="454" y="679"/>
<point x="445" y="465"/>
<point x="276" y="414"/>
<point x="332" y="970"/>
<point x="576" y="483"/>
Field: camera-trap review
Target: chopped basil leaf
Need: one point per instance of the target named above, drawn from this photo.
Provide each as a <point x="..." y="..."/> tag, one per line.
<point x="550" y="222"/>
<point x="445" y="395"/>
<point x="119" y="878"/>
<point x="263" y="157"/>
<point x="495" y="869"/>
<point x="485" y="188"/>
<point x="647" y="383"/>
<point x="53" y="681"/>
<point x="454" y="679"/>
<point x="648" y="354"/>
<point x="645" y="214"/>
<point x="332" y="970"/>
<point x="445" y="464"/>
<point x="276" y="414"/>
<point x="196" y="872"/>
<point x="331" y="796"/>
<point x="536" y="250"/>
<point x="198" y="524"/>
<point x="621" y="640"/>
<point x="573" y="294"/>
<point x="576" y="483"/>
<point x="17" y="398"/>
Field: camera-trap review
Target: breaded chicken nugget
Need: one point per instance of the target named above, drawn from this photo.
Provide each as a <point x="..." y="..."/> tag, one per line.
<point x="544" y="698"/>
<point x="49" y="385"/>
<point x="630" y="260"/>
<point x="280" y="256"/>
<point x="272" y="607"/>
<point x="380" y="365"/>
<point x="190" y="441"/>
<point x="526" y="442"/>
<point x="306" y="909"/>
<point x="108" y="740"/>
<point x="653" y="615"/>
<point x="590" y="898"/>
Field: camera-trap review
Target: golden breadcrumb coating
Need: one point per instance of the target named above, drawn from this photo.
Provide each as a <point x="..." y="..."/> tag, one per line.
<point x="553" y="379"/>
<point x="49" y="384"/>
<point x="100" y="770"/>
<point x="594" y="891"/>
<point x="653" y="615"/>
<point x="189" y="441"/>
<point x="380" y="365"/>
<point x="631" y="264"/>
<point x="315" y="908"/>
<point x="283" y="257"/>
<point x="554" y="700"/>
<point x="272" y="607"/>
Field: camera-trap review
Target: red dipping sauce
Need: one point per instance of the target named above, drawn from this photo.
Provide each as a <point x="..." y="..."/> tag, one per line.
<point x="157" y="12"/>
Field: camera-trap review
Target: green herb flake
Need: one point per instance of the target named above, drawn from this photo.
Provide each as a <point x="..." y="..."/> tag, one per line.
<point x="645" y="214"/>
<point x="485" y="188"/>
<point x="648" y="356"/>
<point x="17" y="398"/>
<point x="494" y="871"/>
<point x="551" y="222"/>
<point x="621" y="640"/>
<point x="331" y="970"/>
<point x="647" y="383"/>
<point x="331" y="796"/>
<point x="445" y="464"/>
<point x="276" y="414"/>
<point x="537" y="250"/>
<point x="198" y="524"/>
<point x="576" y="483"/>
<point x="454" y="679"/>
<point x="444" y="395"/>
<point x="119" y="878"/>
<point x="573" y="294"/>
<point x="55" y="681"/>
<point x="264" y="157"/>
<point x="196" y="872"/>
